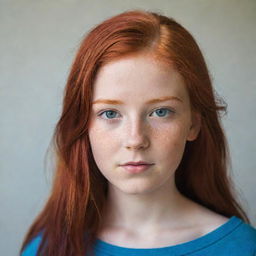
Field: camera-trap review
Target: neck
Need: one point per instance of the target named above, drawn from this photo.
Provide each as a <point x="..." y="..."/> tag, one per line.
<point x="154" y="210"/>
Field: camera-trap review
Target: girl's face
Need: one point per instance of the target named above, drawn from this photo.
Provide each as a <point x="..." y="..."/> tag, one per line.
<point x="125" y="127"/>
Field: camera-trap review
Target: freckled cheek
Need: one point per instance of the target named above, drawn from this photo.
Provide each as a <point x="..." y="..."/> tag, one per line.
<point x="99" y="139"/>
<point x="172" y="133"/>
<point x="170" y="140"/>
<point x="104" y="143"/>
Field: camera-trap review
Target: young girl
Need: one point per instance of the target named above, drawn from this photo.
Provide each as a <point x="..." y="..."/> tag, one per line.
<point x="142" y="159"/>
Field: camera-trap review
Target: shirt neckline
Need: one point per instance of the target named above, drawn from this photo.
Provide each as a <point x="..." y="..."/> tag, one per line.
<point x="182" y="248"/>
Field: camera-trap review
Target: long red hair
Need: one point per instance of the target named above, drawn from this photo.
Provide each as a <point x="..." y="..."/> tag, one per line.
<point x="73" y="213"/>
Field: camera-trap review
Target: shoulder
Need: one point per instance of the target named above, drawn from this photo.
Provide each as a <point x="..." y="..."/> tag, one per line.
<point x="242" y="231"/>
<point x="240" y="235"/>
<point x="247" y="232"/>
<point x="32" y="247"/>
<point x="240" y="238"/>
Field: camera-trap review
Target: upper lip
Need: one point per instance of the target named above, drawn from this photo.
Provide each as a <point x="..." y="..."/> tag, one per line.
<point x="136" y="163"/>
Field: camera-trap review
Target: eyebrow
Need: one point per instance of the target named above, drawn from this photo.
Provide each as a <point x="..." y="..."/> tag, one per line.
<point x="119" y="102"/>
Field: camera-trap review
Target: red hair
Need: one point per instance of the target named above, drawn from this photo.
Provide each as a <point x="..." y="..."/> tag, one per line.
<point x="73" y="210"/>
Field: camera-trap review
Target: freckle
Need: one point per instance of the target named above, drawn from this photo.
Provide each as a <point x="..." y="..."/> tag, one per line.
<point x="159" y="134"/>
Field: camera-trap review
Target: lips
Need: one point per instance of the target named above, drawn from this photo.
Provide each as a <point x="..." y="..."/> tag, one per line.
<point x="134" y="169"/>
<point x="136" y="163"/>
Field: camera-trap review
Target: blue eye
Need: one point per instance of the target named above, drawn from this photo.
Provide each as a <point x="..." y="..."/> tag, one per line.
<point x="162" y="111"/>
<point x="111" y="114"/>
<point x="108" y="116"/>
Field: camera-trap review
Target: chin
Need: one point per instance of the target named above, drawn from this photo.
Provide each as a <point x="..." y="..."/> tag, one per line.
<point x="137" y="189"/>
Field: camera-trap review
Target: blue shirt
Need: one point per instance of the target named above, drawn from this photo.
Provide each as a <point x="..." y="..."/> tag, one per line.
<point x="235" y="237"/>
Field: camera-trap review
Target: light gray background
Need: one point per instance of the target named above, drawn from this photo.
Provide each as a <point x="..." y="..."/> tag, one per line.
<point x="38" y="41"/>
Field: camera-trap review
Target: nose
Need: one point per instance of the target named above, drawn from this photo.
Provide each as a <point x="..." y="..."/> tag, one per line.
<point x="137" y="137"/>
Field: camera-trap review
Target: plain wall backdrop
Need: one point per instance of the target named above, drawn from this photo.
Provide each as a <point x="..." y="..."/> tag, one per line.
<point x="38" y="41"/>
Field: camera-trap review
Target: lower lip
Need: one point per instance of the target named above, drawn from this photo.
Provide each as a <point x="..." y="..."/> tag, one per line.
<point x="136" y="168"/>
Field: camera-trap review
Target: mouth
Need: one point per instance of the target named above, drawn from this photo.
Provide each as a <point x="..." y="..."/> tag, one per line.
<point x="137" y="163"/>
<point x="138" y="168"/>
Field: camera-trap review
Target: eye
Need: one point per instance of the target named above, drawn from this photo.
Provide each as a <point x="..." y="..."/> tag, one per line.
<point x="109" y="113"/>
<point x="162" y="111"/>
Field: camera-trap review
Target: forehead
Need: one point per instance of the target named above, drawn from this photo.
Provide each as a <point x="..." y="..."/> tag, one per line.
<point x="139" y="75"/>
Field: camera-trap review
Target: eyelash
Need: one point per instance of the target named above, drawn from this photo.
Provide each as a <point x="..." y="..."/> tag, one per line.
<point x="111" y="110"/>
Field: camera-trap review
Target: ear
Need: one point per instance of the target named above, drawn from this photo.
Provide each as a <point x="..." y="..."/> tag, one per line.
<point x="195" y="126"/>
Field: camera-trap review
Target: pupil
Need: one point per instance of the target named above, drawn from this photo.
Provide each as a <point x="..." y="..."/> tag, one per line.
<point x="110" y="114"/>
<point x="161" y="111"/>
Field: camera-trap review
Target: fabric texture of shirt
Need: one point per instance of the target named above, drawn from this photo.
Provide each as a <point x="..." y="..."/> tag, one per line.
<point x="235" y="237"/>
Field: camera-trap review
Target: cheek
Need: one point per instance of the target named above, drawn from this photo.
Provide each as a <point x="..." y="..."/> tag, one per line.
<point x="102" y="145"/>
<point x="170" y="143"/>
<point x="174" y="134"/>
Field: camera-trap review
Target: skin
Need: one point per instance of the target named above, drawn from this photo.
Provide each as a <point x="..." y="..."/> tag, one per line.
<point x="136" y="131"/>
